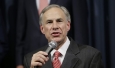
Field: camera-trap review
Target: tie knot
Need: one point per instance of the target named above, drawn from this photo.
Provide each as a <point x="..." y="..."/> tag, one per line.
<point x="57" y="54"/>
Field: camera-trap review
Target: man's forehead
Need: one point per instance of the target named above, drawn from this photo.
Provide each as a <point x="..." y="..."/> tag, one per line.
<point x="54" y="10"/>
<point x="54" y="19"/>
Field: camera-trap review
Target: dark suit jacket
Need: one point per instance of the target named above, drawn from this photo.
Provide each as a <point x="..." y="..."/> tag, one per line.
<point x="29" y="36"/>
<point x="77" y="56"/>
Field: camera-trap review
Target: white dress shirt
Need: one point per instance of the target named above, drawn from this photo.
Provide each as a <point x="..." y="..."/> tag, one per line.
<point x="62" y="50"/>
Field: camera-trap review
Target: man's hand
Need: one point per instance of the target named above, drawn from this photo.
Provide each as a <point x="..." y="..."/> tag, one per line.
<point x="38" y="59"/>
<point x="20" y="66"/>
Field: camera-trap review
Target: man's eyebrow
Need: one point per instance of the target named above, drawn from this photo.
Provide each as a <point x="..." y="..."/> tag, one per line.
<point x="52" y="20"/>
<point x="49" y="20"/>
<point x="59" y="19"/>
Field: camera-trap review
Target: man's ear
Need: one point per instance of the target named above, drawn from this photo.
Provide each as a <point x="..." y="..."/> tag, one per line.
<point x="68" y="25"/>
<point x="42" y="29"/>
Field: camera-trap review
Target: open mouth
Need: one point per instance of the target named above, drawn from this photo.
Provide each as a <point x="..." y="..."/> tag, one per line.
<point x="56" y="34"/>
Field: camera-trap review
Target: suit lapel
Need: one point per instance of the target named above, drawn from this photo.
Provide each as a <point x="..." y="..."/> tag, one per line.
<point x="71" y="60"/>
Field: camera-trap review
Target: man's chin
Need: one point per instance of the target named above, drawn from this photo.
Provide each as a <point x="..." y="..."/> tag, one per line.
<point x="56" y="39"/>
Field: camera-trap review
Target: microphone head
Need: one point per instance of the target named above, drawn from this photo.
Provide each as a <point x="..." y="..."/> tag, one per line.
<point x="53" y="44"/>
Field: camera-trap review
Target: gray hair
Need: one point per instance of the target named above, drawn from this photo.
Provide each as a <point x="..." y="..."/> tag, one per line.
<point x="52" y="6"/>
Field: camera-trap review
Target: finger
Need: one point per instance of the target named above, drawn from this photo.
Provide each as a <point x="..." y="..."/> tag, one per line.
<point x="43" y="57"/>
<point x="38" y="59"/>
<point x="42" y="52"/>
<point x="36" y="64"/>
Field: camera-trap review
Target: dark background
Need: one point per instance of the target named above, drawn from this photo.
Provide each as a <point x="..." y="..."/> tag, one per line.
<point x="100" y="30"/>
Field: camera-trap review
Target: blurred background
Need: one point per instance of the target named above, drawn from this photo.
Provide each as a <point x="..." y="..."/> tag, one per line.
<point x="93" y="23"/>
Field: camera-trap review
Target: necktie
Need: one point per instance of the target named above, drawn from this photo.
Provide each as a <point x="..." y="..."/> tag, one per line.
<point x="56" y="61"/>
<point x="42" y="5"/>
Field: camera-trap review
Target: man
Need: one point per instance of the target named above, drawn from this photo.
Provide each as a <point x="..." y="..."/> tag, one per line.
<point x="55" y="24"/>
<point x="28" y="34"/>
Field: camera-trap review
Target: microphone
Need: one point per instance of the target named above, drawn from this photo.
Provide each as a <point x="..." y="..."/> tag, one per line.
<point x="51" y="46"/>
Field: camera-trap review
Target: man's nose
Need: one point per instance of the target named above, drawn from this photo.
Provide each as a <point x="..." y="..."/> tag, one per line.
<point x="55" y="26"/>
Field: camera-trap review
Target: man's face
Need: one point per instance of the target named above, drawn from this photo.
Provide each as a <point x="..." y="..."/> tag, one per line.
<point x="55" y="25"/>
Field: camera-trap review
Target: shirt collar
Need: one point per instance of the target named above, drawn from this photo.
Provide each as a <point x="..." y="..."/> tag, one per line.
<point x="63" y="48"/>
